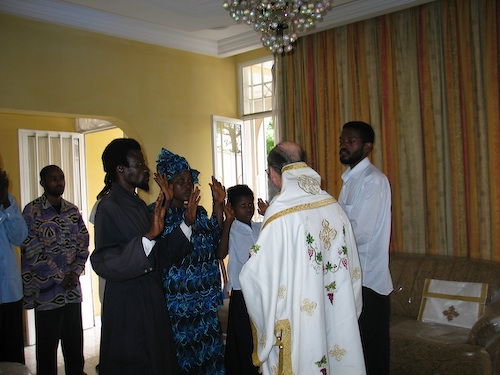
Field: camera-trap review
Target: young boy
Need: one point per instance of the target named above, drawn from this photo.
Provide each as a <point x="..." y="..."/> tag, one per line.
<point x="239" y="235"/>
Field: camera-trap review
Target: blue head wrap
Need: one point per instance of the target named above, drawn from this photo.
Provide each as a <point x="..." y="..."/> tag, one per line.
<point x="170" y="164"/>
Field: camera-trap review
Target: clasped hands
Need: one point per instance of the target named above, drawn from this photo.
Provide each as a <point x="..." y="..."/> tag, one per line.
<point x="70" y="281"/>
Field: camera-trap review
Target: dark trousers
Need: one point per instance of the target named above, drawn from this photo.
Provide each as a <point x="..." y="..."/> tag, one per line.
<point x="11" y="332"/>
<point x="65" y="324"/>
<point x="374" y="329"/>
<point x="239" y="343"/>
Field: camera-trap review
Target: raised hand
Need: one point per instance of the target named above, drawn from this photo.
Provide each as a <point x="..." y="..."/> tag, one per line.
<point x="166" y="187"/>
<point x="223" y="246"/>
<point x="229" y="212"/>
<point x="262" y="206"/>
<point x="158" y="220"/>
<point x="218" y="191"/>
<point x="218" y="197"/>
<point x="192" y="206"/>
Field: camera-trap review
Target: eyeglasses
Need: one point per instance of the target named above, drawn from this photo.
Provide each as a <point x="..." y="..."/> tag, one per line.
<point x="267" y="172"/>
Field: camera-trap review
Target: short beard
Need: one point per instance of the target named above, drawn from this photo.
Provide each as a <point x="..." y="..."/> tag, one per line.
<point x="352" y="158"/>
<point x="272" y="190"/>
<point x="144" y="186"/>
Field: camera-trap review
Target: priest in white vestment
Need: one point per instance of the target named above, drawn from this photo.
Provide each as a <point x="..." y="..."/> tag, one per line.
<point x="302" y="283"/>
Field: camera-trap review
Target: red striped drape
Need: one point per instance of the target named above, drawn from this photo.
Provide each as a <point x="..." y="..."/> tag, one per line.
<point x="427" y="79"/>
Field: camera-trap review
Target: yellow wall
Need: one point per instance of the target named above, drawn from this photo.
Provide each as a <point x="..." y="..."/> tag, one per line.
<point x="252" y="55"/>
<point x="160" y="96"/>
<point x="51" y="74"/>
<point x="95" y="143"/>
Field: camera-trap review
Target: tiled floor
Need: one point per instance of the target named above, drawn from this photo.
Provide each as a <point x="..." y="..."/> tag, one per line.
<point x="91" y="340"/>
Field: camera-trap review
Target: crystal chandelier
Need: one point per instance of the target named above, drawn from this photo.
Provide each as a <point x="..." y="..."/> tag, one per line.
<point x="278" y="21"/>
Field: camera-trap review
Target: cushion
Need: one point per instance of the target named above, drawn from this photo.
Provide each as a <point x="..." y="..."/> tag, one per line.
<point x="453" y="303"/>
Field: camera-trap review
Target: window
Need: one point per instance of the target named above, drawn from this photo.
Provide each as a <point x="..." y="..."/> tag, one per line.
<point x="257" y="88"/>
<point x="227" y="156"/>
<point x="241" y="145"/>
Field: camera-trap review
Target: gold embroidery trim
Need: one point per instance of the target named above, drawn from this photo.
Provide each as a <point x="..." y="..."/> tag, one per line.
<point x="300" y="207"/>
<point x="480" y="299"/>
<point x="308" y="184"/>
<point x="293" y="166"/>
<point x="455" y="297"/>
<point x="282" y="292"/>
<point x="255" y="353"/>
<point x="308" y="306"/>
<point x="337" y="352"/>
<point x="283" y="334"/>
<point x="327" y="234"/>
<point x="356" y="273"/>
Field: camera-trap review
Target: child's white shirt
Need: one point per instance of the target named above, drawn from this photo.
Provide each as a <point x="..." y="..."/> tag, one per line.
<point x="241" y="238"/>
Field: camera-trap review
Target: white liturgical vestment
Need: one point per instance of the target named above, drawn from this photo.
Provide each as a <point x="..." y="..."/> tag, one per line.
<point x="302" y="283"/>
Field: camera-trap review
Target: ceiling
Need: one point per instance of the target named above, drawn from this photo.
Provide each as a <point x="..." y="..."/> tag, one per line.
<point x="200" y="26"/>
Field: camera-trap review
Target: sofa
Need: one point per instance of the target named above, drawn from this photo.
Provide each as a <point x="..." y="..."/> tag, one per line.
<point x="423" y="348"/>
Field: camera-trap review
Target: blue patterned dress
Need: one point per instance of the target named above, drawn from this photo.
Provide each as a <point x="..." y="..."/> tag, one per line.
<point x="193" y="294"/>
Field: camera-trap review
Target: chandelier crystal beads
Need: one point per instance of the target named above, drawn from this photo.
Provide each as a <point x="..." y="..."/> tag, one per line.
<point x="278" y="21"/>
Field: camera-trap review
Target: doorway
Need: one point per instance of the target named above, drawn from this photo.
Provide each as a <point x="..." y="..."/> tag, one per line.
<point x="79" y="156"/>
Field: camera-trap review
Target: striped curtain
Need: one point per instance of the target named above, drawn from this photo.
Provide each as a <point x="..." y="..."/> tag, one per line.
<point x="427" y="79"/>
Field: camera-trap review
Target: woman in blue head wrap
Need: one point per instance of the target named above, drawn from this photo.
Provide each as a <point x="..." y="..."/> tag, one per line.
<point x="193" y="287"/>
